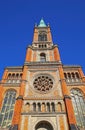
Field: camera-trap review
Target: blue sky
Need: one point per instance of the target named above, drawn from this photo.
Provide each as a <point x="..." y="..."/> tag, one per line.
<point x="17" y="19"/>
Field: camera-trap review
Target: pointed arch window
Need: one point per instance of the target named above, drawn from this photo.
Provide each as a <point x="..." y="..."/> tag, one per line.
<point x="42" y="57"/>
<point x="42" y="37"/>
<point x="7" y="109"/>
<point x="78" y="101"/>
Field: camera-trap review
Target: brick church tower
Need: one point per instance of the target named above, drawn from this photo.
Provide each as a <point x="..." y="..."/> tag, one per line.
<point x="43" y="94"/>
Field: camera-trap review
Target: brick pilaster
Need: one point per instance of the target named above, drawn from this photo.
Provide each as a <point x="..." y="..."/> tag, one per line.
<point x="56" y="54"/>
<point x="19" y="101"/>
<point x="68" y="102"/>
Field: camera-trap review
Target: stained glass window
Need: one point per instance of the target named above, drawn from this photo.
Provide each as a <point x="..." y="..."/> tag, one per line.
<point x="7" y="109"/>
<point x="78" y="101"/>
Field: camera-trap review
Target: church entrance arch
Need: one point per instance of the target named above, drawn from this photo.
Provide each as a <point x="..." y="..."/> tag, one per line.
<point x="43" y="125"/>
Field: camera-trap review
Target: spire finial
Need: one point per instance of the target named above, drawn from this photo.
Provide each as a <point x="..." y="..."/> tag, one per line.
<point x="42" y="23"/>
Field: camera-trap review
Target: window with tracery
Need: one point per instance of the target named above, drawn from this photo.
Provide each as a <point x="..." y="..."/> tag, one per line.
<point x="7" y="109"/>
<point x="42" y="37"/>
<point x="43" y="83"/>
<point x="78" y="101"/>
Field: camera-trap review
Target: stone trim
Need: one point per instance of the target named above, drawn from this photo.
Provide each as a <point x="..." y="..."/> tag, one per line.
<point x="67" y="97"/>
<point x="43" y="113"/>
<point x="71" y="66"/>
<point x="42" y="98"/>
<point x="20" y="97"/>
<point x="47" y="63"/>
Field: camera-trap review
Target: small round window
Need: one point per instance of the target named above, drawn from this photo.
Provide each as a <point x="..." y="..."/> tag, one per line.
<point x="43" y="83"/>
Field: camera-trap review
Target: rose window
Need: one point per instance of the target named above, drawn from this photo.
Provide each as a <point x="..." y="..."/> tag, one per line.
<point x="43" y="83"/>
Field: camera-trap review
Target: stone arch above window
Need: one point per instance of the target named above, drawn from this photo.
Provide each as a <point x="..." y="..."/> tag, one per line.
<point x="43" y="125"/>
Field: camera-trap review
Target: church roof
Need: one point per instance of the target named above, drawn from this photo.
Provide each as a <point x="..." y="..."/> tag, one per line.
<point x="42" y="23"/>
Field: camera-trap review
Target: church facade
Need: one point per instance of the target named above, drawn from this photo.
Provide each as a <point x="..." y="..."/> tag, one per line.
<point x="43" y="94"/>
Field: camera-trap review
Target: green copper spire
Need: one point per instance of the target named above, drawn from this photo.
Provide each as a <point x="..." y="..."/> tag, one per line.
<point x="42" y="23"/>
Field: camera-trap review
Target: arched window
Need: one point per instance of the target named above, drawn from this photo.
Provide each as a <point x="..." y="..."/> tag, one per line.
<point x="43" y="107"/>
<point x="9" y="76"/>
<point x="65" y="75"/>
<point x="13" y="76"/>
<point x="73" y="77"/>
<point x="69" y="77"/>
<point x="78" y="101"/>
<point x="42" y="37"/>
<point x="7" y="109"/>
<point x="77" y="77"/>
<point x="39" y="107"/>
<point x="48" y="107"/>
<point x="53" y="107"/>
<point x="34" y="107"/>
<point x="42" y="57"/>
<point x="59" y="107"/>
<point x="27" y="107"/>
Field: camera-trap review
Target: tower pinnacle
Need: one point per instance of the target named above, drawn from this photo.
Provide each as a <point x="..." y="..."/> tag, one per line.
<point x="42" y="23"/>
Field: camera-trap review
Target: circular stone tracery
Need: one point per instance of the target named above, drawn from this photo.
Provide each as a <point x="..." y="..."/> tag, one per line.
<point x="43" y="83"/>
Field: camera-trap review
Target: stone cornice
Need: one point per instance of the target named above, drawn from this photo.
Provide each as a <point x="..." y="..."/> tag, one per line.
<point x="47" y="63"/>
<point x="42" y="98"/>
<point x="14" y="68"/>
<point x="71" y="66"/>
<point x="76" y="84"/>
<point x="50" y="114"/>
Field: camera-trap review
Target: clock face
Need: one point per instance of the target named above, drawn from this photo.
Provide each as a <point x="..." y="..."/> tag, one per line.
<point x="43" y="83"/>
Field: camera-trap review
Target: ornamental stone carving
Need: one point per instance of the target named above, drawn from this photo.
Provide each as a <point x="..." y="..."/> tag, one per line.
<point x="43" y="83"/>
